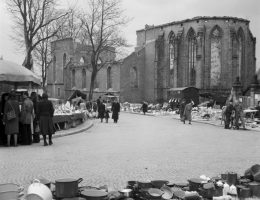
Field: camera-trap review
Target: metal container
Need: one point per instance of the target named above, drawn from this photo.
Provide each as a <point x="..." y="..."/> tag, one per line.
<point x="127" y="192"/>
<point x="255" y="189"/>
<point x="231" y="178"/>
<point x="93" y="194"/>
<point x="67" y="188"/>
<point x="159" y="183"/>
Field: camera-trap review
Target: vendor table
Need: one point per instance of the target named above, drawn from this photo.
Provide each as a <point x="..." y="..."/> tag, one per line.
<point x="252" y="113"/>
<point x="68" y="120"/>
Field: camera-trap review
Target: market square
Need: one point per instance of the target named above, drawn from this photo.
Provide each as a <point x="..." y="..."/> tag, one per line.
<point x="129" y="100"/>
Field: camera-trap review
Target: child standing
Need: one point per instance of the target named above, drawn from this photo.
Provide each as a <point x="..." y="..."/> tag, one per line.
<point x="106" y="115"/>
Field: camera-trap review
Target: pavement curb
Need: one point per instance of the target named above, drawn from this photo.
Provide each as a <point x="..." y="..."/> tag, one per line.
<point x="75" y="132"/>
<point x="90" y="125"/>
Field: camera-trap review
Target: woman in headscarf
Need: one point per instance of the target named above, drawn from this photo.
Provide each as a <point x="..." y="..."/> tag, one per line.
<point x="45" y="112"/>
<point x="11" y="124"/>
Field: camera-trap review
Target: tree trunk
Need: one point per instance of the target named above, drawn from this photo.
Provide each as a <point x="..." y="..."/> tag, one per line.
<point x="91" y="89"/>
<point x="28" y="62"/>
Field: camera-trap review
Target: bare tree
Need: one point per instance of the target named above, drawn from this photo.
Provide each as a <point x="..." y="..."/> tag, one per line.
<point x="30" y="16"/>
<point x="42" y="52"/>
<point x="101" y="25"/>
<point x="70" y="25"/>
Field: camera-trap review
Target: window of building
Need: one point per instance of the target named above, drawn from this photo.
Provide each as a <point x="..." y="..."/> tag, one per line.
<point x="215" y="50"/>
<point x="82" y="60"/>
<point x="192" y="48"/>
<point x="84" y="85"/>
<point x="58" y="92"/>
<point x="96" y="85"/>
<point x="172" y="60"/>
<point x="73" y="78"/>
<point x="171" y="50"/>
<point x="133" y="76"/>
<point x="109" y="79"/>
<point x="64" y="60"/>
<point x="54" y="69"/>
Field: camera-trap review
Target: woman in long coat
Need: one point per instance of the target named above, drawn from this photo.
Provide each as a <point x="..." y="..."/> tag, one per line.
<point x="115" y="109"/>
<point x="187" y="112"/>
<point x="12" y="125"/>
<point x="45" y="112"/>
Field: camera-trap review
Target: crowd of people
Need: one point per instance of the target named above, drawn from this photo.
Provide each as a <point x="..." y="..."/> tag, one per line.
<point x="103" y="111"/>
<point x="25" y="121"/>
<point x="232" y="113"/>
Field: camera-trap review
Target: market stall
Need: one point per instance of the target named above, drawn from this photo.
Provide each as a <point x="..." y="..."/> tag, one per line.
<point x="67" y="116"/>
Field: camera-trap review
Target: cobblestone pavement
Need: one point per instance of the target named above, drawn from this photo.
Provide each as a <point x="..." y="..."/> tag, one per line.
<point x="137" y="148"/>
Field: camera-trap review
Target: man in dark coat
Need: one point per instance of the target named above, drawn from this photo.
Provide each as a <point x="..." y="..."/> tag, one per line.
<point x="45" y="112"/>
<point x="115" y="109"/>
<point x="98" y="104"/>
<point x="228" y="113"/>
<point x="181" y="109"/>
<point x="101" y="110"/>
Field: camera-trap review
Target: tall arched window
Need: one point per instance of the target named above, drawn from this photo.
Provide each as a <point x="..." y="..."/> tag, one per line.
<point x="215" y="50"/>
<point x="133" y="75"/>
<point x="241" y="52"/>
<point x="171" y="50"/>
<point x="54" y="69"/>
<point x="109" y="79"/>
<point x="64" y="60"/>
<point x="172" y="60"/>
<point x="192" y="47"/>
<point x="84" y="81"/>
<point x="82" y="60"/>
<point x="73" y="73"/>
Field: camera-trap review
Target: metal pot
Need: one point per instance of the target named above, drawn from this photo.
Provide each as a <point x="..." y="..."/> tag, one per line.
<point x="93" y="194"/>
<point x="127" y="192"/>
<point x="67" y="188"/>
<point x="255" y="188"/>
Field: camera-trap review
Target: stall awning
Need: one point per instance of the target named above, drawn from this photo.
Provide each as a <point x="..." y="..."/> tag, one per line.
<point x="14" y="73"/>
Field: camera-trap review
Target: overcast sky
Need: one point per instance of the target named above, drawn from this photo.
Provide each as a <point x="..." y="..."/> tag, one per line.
<point x="152" y="12"/>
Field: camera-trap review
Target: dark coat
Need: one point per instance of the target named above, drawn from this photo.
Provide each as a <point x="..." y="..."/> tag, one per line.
<point x="115" y="109"/>
<point x="229" y="110"/>
<point x="101" y="110"/>
<point x="45" y="112"/>
<point x="144" y="107"/>
<point x="11" y="126"/>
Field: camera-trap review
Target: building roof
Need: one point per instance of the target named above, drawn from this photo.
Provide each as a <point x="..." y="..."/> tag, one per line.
<point x="147" y="27"/>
